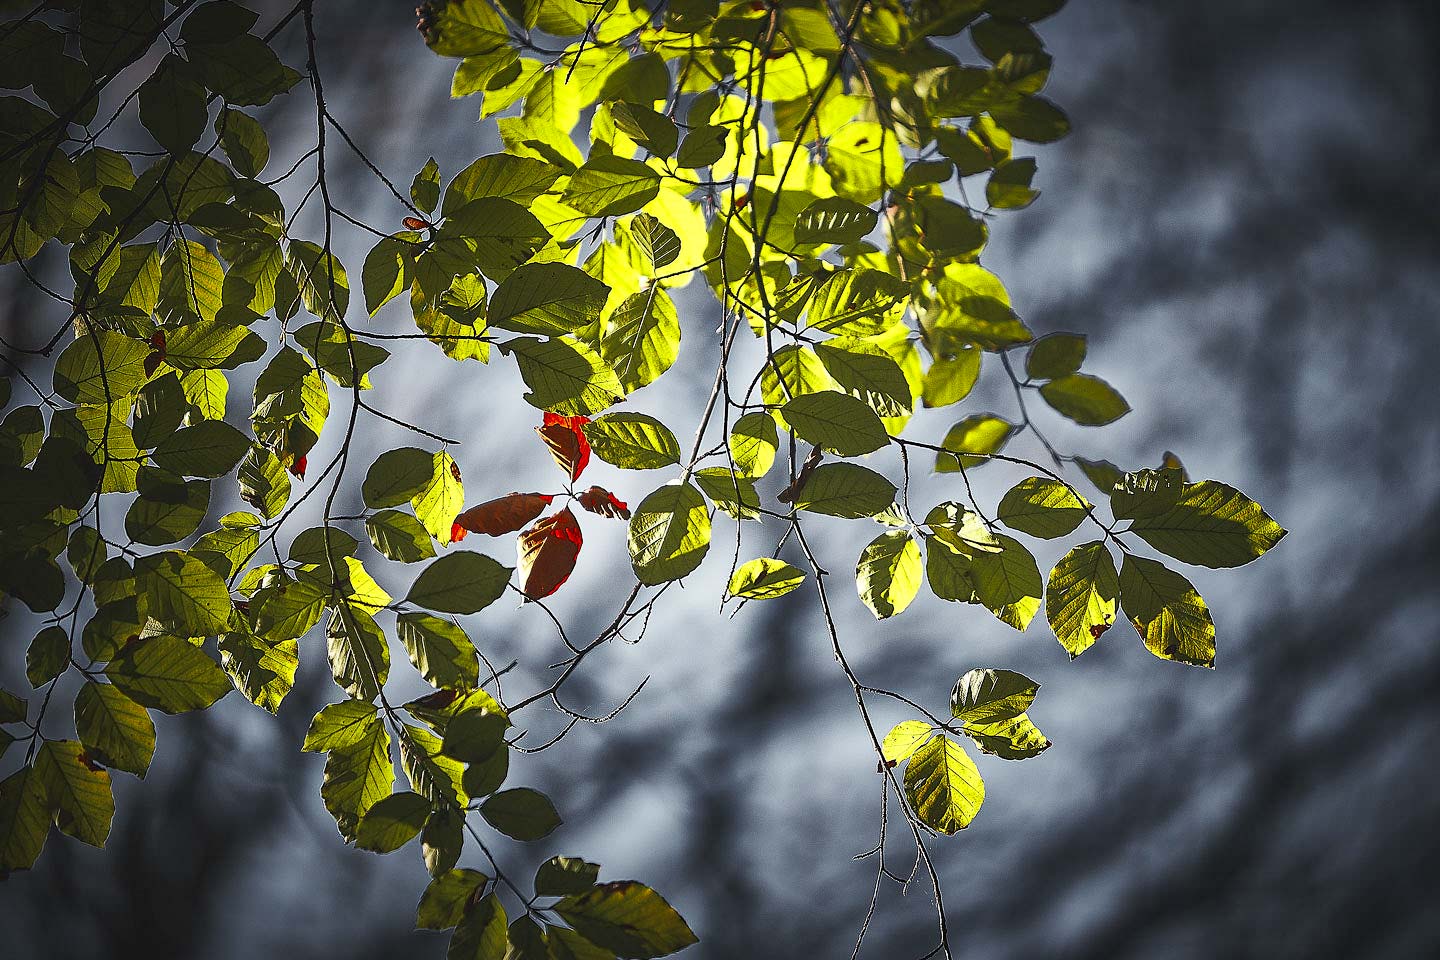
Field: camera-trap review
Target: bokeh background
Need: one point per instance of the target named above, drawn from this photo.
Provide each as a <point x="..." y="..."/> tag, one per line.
<point x="1243" y="222"/>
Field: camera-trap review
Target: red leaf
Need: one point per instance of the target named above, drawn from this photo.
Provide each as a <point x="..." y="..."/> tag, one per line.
<point x="547" y="553"/>
<point x="298" y="468"/>
<point x="602" y="501"/>
<point x="565" y="438"/>
<point x="502" y="515"/>
<point x="415" y="223"/>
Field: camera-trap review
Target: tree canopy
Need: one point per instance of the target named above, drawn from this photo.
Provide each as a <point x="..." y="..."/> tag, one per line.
<point x="829" y="170"/>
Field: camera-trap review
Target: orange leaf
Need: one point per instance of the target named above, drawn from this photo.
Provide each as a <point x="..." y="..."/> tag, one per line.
<point x="602" y="501"/>
<point x="547" y="553"/>
<point x="502" y="515"/>
<point x="565" y="437"/>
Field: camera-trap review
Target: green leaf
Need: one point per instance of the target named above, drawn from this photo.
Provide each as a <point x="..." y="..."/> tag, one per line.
<point x="521" y="813"/>
<point x="608" y="186"/>
<point x="889" y="572"/>
<point x="1008" y="583"/>
<point x="950" y="380"/>
<point x="244" y="141"/>
<point x="948" y="572"/>
<point x="263" y="482"/>
<point x="634" y="441"/>
<point x="399" y="536"/>
<point x="944" y="786"/>
<point x="657" y="243"/>
<point x="836" y="422"/>
<point x="764" y="579"/>
<point x="1009" y="185"/>
<point x="481" y="933"/>
<point x="440" y="650"/>
<point x="1080" y="597"/>
<point x="669" y="534"/>
<point x="359" y="655"/>
<point x="845" y="490"/>
<point x="321" y="545"/>
<point x="392" y="822"/>
<point x="396" y="476"/>
<point x="857" y="302"/>
<point x="211" y="448"/>
<point x="262" y="671"/>
<point x="81" y="375"/>
<point x="212" y="344"/>
<point x="324" y="286"/>
<point x="492" y="234"/>
<point x="1055" y="355"/>
<point x="987" y="696"/>
<point x="1014" y="739"/>
<point x="160" y="407"/>
<point x="442" y="839"/>
<point x="191" y="282"/>
<point x="702" y="146"/>
<point x="172" y="106"/>
<point x="564" y="375"/>
<point x="1087" y="400"/>
<point x="434" y="776"/>
<point x="869" y="373"/>
<point x="474" y="735"/>
<point x="1169" y="614"/>
<point x="978" y="436"/>
<point x="562" y="876"/>
<point x="184" y="594"/>
<point x="642" y="338"/>
<point x="425" y="188"/>
<point x="483" y="779"/>
<point x="47" y="656"/>
<point x="168" y="674"/>
<point x="287" y="609"/>
<point x="80" y="793"/>
<point x="904" y="739"/>
<point x="834" y="220"/>
<point x="13" y="709"/>
<point x="243" y="70"/>
<point x="461" y="582"/>
<point x="1145" y="493"/>
<point x="340" y="725"/>
<point x="961" y="529"/>
<point x="650" y="129"/>
<point x="1043" y="508"/>
<point x="167" y="509"/>
<point x="116" y="731"/>
<point x="386" y="273"/>
<point x="1032" y="118"/>
<point x="519" y="179"/>
<point x="445" y="900"/>
<point x="25" y="813"/>
<point x="627" y="918"/>
<point x="441" y="499"/>
<point x="359" y="773"/>
<point x="1212" y="525"/>
<point x="734" y="494"/>
<point x="753" y="443"/>
<point x="547" y="299"/>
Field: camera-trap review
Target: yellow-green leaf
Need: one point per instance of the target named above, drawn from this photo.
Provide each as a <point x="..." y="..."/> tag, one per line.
<point x="889" y="572"/>
<point x="944" y="786"/>
<point x="764" y="579"/>
<point x="1213" y="525"/>
<point x="1080" y="597"/>
<point x="1169" y="614"/>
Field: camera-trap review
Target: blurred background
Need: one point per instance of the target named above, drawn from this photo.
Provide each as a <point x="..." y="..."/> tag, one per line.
<point x="1243" y="222"/>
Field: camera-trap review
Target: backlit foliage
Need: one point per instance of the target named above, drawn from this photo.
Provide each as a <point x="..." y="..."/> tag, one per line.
<point x="829" y="170"/>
